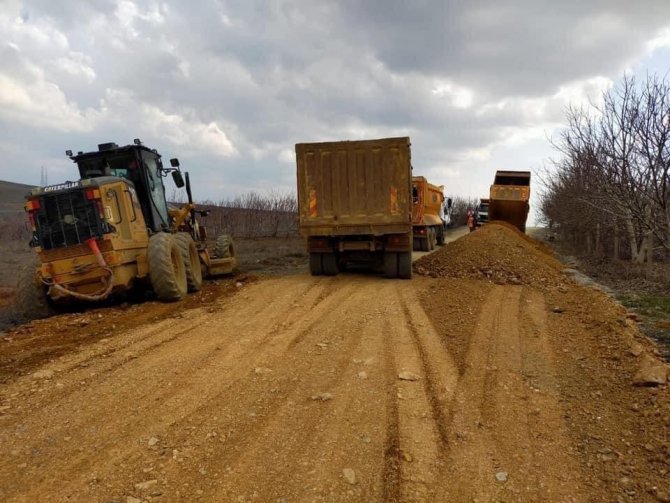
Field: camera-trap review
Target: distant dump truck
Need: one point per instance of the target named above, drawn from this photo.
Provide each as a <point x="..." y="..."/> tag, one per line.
<point x="483" y="211"/>
<point x="509" y="198"/>
<point x="355" y="204"/>
<point x="427" y="210"/>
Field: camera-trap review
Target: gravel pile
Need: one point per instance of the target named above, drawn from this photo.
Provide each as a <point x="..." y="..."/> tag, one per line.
<point x="495" y="252"/>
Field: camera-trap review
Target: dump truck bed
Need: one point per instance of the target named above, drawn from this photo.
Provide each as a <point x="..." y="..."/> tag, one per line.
<point x="509" y="198"/>
<point x="354" y="187"/>
<point x="428" y="203"/>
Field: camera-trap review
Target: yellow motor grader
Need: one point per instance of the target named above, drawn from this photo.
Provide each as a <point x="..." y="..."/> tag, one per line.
<point x="112" y="231"/>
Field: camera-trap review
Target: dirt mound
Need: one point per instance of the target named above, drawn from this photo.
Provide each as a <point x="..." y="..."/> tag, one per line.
<point x="498" y="253"/>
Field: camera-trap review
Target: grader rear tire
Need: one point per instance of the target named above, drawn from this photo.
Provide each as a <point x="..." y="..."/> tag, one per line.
<point x="189" y="253"/>
<point x="166" y="267"/>
<point x="224" y="247"/>
<point x="32" y="300"/>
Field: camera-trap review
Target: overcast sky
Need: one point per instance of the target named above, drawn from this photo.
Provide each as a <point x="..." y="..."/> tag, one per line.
<point x="229" y="87"/>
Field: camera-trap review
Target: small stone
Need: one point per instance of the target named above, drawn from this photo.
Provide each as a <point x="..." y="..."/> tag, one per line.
<point x="322" y="344"/>
<point x="651" y="372"/>
<point x="408" y="376"/>
<point x="152" y="441"/>
<point x="501" y="476"/>
<point x="557" y="310"/>
<point x="239" y="284"/>
<point x="143" y="486"/>
<point x="349" y="475"/>
<point x="636" y="349"/>
<point x="322" y="397"/>
<point x="407" y="456"/>
<point x="132" y="499"/>
<point x="362" y="375"/>
<point x="43" y="374"/>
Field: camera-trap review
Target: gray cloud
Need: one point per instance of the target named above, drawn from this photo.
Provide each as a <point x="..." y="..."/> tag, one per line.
<point x="229" y="87"/>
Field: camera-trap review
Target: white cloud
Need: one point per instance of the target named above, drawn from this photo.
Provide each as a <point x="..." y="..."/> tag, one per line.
<point x="41" y="104"/>
<point x="460" y="97"/>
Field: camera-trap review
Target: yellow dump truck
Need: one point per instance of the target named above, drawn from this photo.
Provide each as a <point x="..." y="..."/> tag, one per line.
<point x="355" y="204"/>
<point x="427" y="211"/>
<point x="509" y="198"/>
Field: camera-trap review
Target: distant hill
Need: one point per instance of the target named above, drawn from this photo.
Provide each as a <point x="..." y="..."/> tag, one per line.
<point x="12" y="197"/>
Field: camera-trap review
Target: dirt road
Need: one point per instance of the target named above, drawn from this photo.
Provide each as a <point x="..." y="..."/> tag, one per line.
<point x="352" y="388"/>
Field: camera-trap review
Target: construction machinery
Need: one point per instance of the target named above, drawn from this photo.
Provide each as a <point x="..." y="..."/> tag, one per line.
<point x="482" y="211"/>
<point x="428" y="212"/>
<point x="113" y="230"/>
<point x="509" y="197"/>
<point x="355" y="204"/>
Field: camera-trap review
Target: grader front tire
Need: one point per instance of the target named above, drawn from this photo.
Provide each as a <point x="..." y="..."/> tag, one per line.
<point x="166" y="268"/>
<point x="189" y="253"/>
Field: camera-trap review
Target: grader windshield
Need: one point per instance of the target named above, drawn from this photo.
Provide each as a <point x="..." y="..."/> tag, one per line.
<point x="137" y="164"/>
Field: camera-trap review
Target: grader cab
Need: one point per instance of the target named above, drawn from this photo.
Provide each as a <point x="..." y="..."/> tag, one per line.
<point x="112" y="231"/>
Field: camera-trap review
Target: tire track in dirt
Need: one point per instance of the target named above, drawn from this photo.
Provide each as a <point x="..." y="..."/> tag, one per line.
<point x="421" y="403"/>
<point x="160" y="360"/>
<point x="503" y="425"/>
<point x="326" y="425"/>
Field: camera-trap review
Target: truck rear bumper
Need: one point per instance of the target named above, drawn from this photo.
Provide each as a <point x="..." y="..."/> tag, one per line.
<point x="360" y="243"/>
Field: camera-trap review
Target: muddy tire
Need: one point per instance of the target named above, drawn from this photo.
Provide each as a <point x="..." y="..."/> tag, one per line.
<point x="329" y="263"/>
<point x="32" y="301"/>
<point x="440" y="236"/>
<point x="405" y="265"/>
<point x="391" y="264"/>
<point x="425" y="243"/>
<point x="224" y="247"/>
<point x="167" y="271"/>
<point x="315" y="264"/>
<point x="189" y="253"/>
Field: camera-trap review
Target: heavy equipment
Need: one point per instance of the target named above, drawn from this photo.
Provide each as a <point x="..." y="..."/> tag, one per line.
<point x="355" y="204"/>
<point x="482" y="211"/>
<point x="428" y="214"/>
<point x="509" y="197"/>
<point x="113" y="230"/>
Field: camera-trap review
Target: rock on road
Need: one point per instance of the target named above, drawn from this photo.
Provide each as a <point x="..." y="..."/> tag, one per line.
<point x="350" y="388"/>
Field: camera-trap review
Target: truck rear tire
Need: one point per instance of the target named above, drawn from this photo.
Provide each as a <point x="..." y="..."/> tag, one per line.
<point x="189" y="253"/>
<point x="315" y="265"/>
<point x="329" y="263"/>
<point x="166" y="267"/>
<point x="32" y="299"/>
<point x="390" y="264"/>
<point x="440" y="236"/>
<point x="224" y="247"/>
<point x="405" y="265"/>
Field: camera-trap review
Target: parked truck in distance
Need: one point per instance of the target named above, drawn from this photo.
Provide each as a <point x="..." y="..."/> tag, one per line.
<point x="509" y="198"/>
<point x="427" y="214"/>
<point x="355" y="204"/>
<point x="483" y="211"/>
